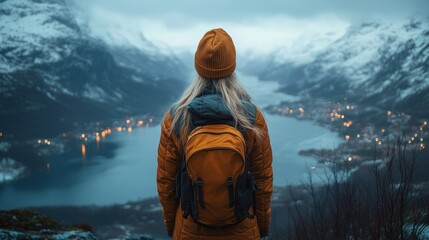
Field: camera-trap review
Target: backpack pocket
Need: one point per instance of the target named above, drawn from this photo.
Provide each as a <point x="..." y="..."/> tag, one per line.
<point x="245" y="196"/>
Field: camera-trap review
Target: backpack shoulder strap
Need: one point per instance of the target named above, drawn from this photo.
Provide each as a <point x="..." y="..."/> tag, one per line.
<point x="176" y="129"/>
<point x="250" y="110"/>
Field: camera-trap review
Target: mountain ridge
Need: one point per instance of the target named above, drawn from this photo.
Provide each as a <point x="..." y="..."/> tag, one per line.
<point x="54" y="77"/>
<point x="384" y="64"/>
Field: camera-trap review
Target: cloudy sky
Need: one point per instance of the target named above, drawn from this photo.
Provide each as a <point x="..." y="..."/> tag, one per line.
<point x="257" y="27"/>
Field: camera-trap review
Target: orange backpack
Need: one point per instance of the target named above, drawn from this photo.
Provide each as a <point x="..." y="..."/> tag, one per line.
<point x="214" y="184"/>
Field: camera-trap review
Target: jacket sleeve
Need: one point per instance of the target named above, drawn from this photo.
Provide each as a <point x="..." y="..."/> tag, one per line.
<point x="261" y="166"/>
<point x="168" y="165"/>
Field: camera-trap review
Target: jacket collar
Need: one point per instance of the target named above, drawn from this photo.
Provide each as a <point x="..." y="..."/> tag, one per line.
<point x="209" y="106"/>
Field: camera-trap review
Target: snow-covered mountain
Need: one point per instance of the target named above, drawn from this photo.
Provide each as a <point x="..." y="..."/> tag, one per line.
<point x="35" y="32"/>
<point x="53" y="75"/>
<point x="382" y="64"/>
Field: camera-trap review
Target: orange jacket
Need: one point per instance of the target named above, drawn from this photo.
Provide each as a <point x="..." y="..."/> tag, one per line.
<point x="260" y="166"/>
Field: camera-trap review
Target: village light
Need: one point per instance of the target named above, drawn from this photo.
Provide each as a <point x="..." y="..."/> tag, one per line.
<point x="83" y="149"/>
<point x="128" y="121"/>
<point x="82" y="136"/>
<point x="349" y="159"/>
<point x="389" y="113"/>
<point x="347" y="137"/>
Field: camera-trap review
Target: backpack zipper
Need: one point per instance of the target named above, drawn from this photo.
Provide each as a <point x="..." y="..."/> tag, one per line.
<point x="218" y="133"/>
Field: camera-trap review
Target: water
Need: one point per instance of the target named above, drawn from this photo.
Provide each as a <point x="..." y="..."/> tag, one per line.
<point x="131" y="173"/>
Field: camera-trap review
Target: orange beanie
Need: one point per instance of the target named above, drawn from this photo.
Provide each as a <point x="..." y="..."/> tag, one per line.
<point x="215" y="55"/>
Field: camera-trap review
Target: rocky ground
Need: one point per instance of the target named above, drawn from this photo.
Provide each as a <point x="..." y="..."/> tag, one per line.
<point x="141" y="219"/>
<point x="29" y="224"/>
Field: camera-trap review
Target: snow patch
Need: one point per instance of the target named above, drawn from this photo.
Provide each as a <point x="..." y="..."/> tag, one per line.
<point x="34" y="33"/>
<point x="4" y="146"/>
<point x="50" y="96"/>
<point x="95" y="93"/>
<point x="10" y="169"/>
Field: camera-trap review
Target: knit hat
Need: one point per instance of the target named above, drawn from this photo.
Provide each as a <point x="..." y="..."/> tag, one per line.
<point x="215" y="55"/>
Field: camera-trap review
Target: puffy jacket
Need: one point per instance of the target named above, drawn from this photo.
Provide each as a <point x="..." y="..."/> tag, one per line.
<point x="209" y="105"/>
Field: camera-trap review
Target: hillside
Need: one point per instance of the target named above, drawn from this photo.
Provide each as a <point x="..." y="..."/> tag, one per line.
<point x="376" y="64"/>
<point x="54" y="76"/>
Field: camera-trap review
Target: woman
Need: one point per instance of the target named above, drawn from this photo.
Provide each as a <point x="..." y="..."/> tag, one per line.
<point x="214" y="97"/>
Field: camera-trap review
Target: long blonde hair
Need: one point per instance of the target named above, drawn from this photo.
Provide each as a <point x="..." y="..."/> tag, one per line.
<point x="232" y="93"/>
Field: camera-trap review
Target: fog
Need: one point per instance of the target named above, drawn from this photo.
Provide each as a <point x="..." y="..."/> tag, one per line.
<point x="298" y="29"/>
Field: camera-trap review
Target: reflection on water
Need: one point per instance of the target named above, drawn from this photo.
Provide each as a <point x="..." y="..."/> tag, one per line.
<point x="83" y="151"/>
